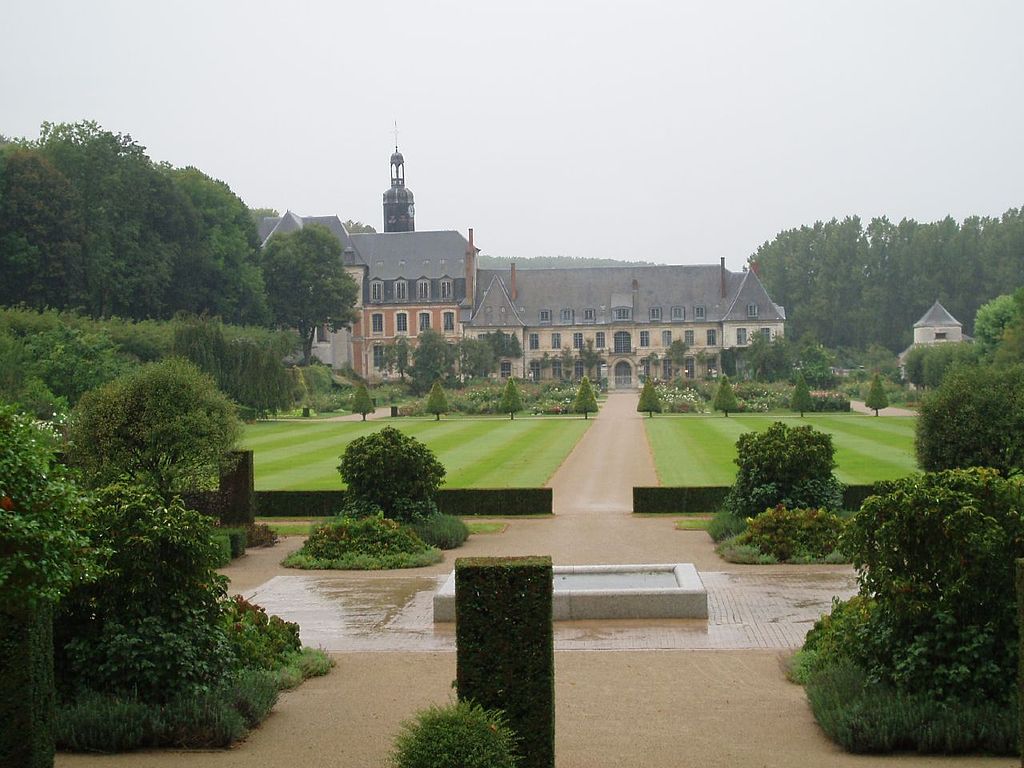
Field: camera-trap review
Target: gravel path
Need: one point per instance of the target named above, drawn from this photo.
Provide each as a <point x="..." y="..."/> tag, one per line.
<point x="637" y="705"/>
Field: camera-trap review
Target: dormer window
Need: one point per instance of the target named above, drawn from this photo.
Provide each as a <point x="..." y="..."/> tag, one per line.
<point x="565" y="316"/>
<point x="376" y="290"/>
<point x="446" y="289"/>
<point x="589" y="315"/>
<point x="678" y="313"/>
<point x="545" y="317"/>
<point x="622" y="313"/>
<point x="401" y="290"/>
<point x="699" y="313"/>
<point x="752" y="310"/>
<point x="423" y="289"/>
<point x="655" y="313"/>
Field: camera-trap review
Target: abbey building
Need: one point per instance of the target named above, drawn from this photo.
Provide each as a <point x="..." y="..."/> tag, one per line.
<point x="630" y="315"/>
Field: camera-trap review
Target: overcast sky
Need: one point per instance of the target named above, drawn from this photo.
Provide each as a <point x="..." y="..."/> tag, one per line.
<point x="676" y="132"/>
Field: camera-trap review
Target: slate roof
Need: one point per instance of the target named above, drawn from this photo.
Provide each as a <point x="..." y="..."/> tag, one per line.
<point x="410" y="255"/>
<point x="937" y="317"/>
<point x="495" y="307"/>
<point x="602" y="288"/>
<point x="291" y="222"/>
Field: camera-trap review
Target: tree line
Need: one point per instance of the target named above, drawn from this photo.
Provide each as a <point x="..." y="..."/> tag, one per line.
<point x="853" y="286"/>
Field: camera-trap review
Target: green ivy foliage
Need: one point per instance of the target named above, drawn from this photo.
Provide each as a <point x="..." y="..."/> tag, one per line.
<point x="791" y="466"/>
<point x="937" y="551"/>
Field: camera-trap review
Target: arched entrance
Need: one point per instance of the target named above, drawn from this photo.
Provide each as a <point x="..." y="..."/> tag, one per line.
<point x="623" y="375"/>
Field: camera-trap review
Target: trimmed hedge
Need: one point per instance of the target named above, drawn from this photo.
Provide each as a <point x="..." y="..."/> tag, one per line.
<point x="490" y="502"/>
<point x="680" y="500"/>
<point x="495" y="502"/>
<point x="236" y="489"/>
<point x="26" y="689"/>
<point x="505" y="646"/>
<point x="1020" y="640"/>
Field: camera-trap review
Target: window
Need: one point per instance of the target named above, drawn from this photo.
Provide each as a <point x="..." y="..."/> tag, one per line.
<point x="423" y="289"/>
<point x="376" y="291"/>
<point x="666" y="369"/>
<point x="377" y="319"/>
<point x="623" y="343"/>
<point x="535" y="370"/>
<point x="699" y="313"/>
<point x="623" y="313"/>
<point x="556" y="341"/>
<point x="506" y="369"/>
<point x="940" y="335"/>
<point x="446" y="289"/>
<point x="599" y="339"/>
<point x="666" y="338"/>
<point x="688" y="338"/>
<point x="741" y="336"/>
<point x="589" y="315"/>
<point x="545" y="317"/>
<point x="402" y="322"/>
<point x="678" y="313"/>
<point x="712" y="337"/>
<point x="534" y="341"/>
<point x="577" y="341"/>
<point x="378" y="357"/>
<point x="321" y="333"/>
<point x="556" y="369"/>
<point x="401" y="290"/>
<point x="655" y="313"/>
<point x="578" y="370"/>
<point x="565" y="316"/>
<point x="424" y="321"/>
<point x="688" y="367"/>
<point x="752" y="310"/>
<point x="449" y="321"/>
<point x="645" y="338"/>
<point x="767" y="333"/>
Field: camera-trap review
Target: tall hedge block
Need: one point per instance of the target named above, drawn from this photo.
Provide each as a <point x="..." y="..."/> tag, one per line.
<point x="495" y="502"/>
<point x="236" y="490"/>
<point x="505" y="646"/>
<point x="26" y="689"/>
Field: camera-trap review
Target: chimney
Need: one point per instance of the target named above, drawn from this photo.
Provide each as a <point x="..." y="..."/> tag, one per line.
<point x="471" y="270"/>
<point x="755" y="268"/>
<point x="515" y="291"/>
<point x="722" y="273"/>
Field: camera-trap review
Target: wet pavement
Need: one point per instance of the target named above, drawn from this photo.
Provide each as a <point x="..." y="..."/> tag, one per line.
<point x="343" y="613"/>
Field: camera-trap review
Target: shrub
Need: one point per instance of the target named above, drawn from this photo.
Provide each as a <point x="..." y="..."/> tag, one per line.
<point x="788" y="534"/>
<point x="151" y="625"/>
<point x="505" y="641"/>
<point x="387" y="467"/>
<point x="801" y="400"/>
<point x="164" y="424"/>
<point x="461" y="735"/>
<point x="367" y="543"/>
<point x="835" y="635"/>
<point x="585" y="401"/>
<point x="830" y="401"/>
<point x="784" y="465"/>
<point x="975" y="418"/>
<point x="876" y="399"/>
<point x="726" y="524"/>
<point x="361" y="401"/>
<point x="869" y="717"/>
<point x="260" y="535"/>
<point x="258" y="640"/>
<point x="511" y="399"/>
<point x="735" y="551"/>
<point x="725" y="399"/>
<point x="223" y="545"/>
<point x="936" y="551"/>
<point x="441" y="531"/>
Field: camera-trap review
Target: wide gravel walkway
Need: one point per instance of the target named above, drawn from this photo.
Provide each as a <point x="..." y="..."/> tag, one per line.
<point x="656" y="693"/>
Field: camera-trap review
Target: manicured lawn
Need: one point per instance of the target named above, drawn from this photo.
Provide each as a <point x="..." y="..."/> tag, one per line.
<point x="477" y="453"/>
<point x="699" y="450"/>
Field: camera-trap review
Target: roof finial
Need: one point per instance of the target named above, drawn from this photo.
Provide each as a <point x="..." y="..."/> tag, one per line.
<point x="396" y="135"/>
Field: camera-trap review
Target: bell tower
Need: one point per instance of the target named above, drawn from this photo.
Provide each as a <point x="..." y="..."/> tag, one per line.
<point x="399" y="209"/>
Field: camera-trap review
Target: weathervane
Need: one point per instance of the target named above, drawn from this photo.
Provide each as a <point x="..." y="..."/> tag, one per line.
<point x="396" y="135"/>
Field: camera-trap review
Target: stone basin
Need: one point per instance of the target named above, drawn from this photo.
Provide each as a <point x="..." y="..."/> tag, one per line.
<point x="659" y="591"/>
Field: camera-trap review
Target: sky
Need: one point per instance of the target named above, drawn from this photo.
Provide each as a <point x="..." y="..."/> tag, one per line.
<point x="662" y="130"/>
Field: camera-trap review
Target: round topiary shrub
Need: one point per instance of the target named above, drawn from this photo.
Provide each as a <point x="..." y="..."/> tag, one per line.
<point x="788" y="534"/>
<point x="461" y="735"/>
<point x="396" y="472"/>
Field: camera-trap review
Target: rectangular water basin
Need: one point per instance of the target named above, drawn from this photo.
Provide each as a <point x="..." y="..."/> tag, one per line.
<point x="662" y="591"/>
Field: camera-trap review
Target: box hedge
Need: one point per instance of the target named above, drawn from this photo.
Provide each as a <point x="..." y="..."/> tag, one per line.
<point x="680" y="500"/>
<point x="505" y="646"/>
<point x="495" y="502"/>
<point x="27" y="689"/>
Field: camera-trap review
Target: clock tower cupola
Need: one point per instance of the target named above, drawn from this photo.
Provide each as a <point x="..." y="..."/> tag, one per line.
<point x="399" y="210"/>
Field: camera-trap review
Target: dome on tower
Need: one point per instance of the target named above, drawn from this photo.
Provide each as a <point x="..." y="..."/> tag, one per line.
<point x="397" y="159"/>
